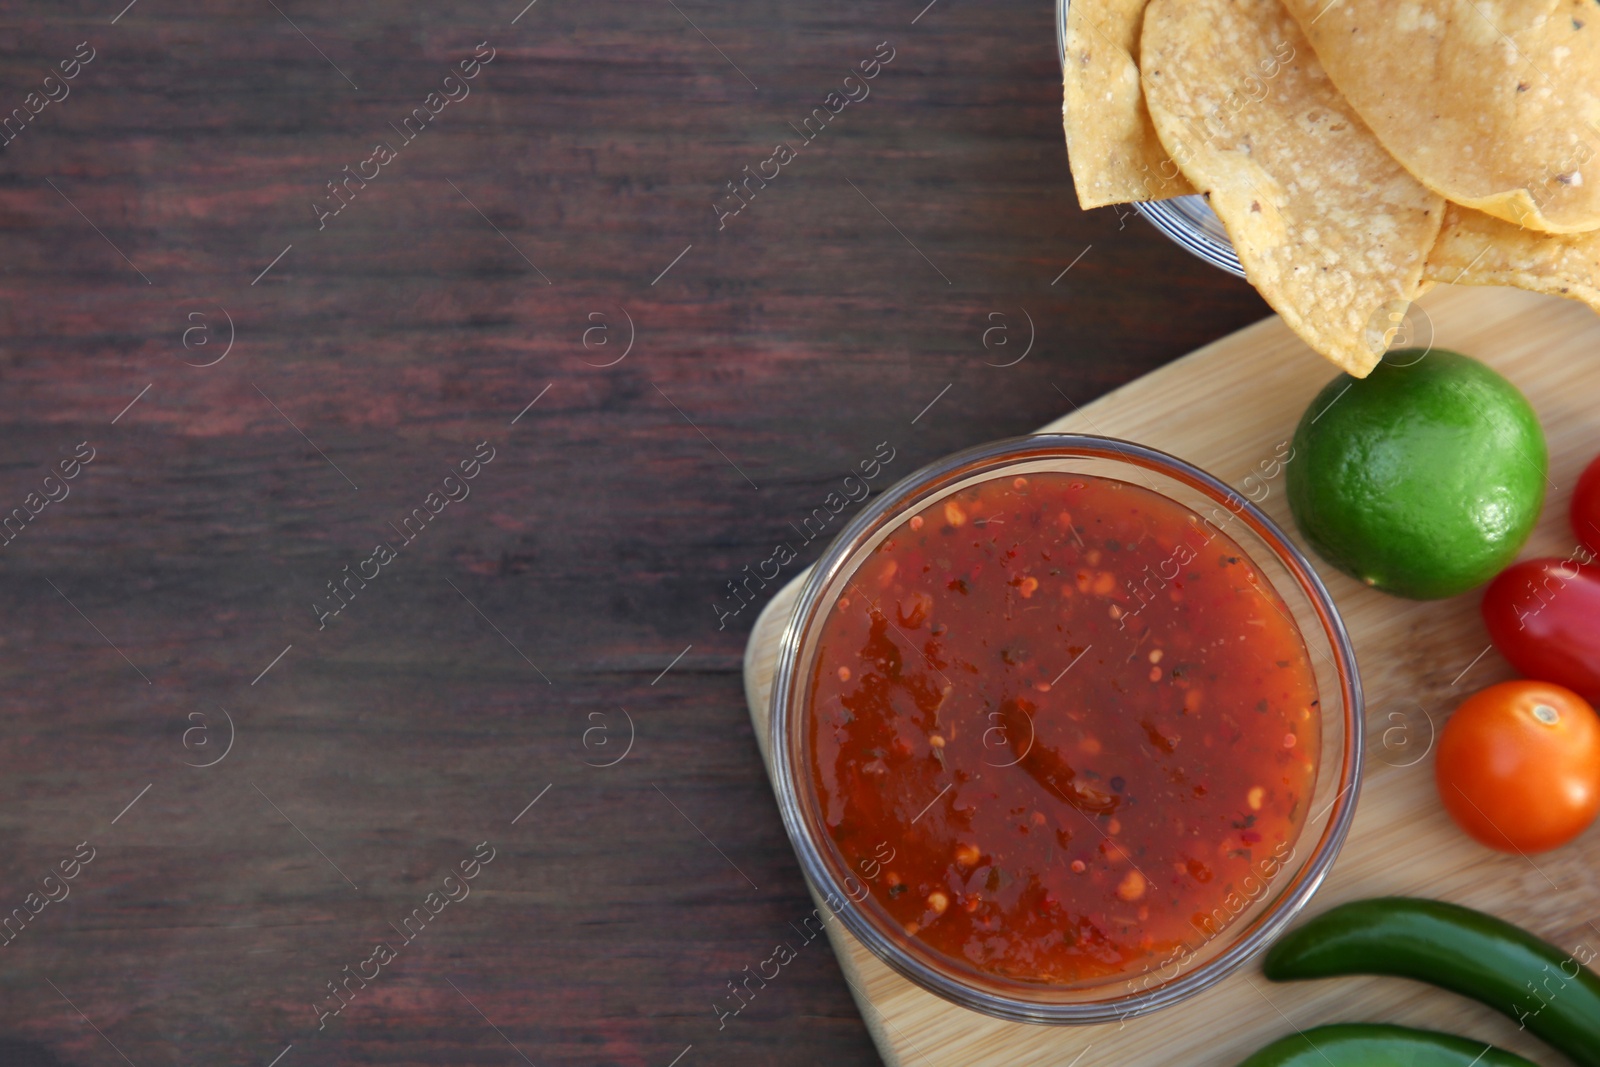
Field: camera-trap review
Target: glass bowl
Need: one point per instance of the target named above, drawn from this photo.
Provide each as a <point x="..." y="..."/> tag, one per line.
<point x="1187" y="220"/>
<point x="1218" y="949"/>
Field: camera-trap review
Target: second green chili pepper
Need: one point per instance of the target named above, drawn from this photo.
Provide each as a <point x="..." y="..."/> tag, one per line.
<point x="1378" y="1045"/>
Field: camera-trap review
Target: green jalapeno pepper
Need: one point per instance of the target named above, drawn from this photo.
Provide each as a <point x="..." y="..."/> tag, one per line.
<point x="1378" y="1045"/>
<point x="1547" y="991"/>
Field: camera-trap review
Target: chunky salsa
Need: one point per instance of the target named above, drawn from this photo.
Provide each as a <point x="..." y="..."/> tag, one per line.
<point x="1060" y="726"/>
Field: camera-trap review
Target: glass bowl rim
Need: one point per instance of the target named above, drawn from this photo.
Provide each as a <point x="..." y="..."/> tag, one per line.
<point x="997" y="455"/>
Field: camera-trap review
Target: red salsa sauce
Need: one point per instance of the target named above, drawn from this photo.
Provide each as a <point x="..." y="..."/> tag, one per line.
<point x="1060" y="727"/>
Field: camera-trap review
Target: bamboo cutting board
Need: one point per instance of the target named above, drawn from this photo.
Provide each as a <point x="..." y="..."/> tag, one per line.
<point x="1226" y="408"/>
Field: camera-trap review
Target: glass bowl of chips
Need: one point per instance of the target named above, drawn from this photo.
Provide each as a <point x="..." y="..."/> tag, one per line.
<point x="1187" y="220"/>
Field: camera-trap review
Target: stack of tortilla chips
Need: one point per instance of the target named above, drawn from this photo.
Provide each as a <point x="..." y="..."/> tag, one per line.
<point x="1356" y="150"/>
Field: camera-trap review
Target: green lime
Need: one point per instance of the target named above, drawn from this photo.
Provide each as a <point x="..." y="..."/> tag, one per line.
<point x="1422" y="479"/>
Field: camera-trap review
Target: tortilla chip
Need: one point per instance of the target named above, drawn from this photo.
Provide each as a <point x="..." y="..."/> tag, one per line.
<point x="1111" y="145"/>
<point x="1478" y="249"/>
<point x="1493" y="105"/>
<point x="1330" y="229"/>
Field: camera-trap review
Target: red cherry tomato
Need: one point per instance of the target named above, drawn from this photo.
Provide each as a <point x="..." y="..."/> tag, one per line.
<point x="1544" y="617"/>
<point x="1586" y="507"/>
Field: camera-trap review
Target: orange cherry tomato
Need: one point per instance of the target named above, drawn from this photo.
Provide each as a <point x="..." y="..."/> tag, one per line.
<point x="1518" y="766"/>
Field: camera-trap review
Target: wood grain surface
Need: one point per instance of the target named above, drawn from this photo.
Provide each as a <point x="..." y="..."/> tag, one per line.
<point x="1228" y="408"/>
<point x="165" y="206"/>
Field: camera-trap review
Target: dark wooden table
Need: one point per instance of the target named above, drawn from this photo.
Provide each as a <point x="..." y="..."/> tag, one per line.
<point x="560" y="236"/>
